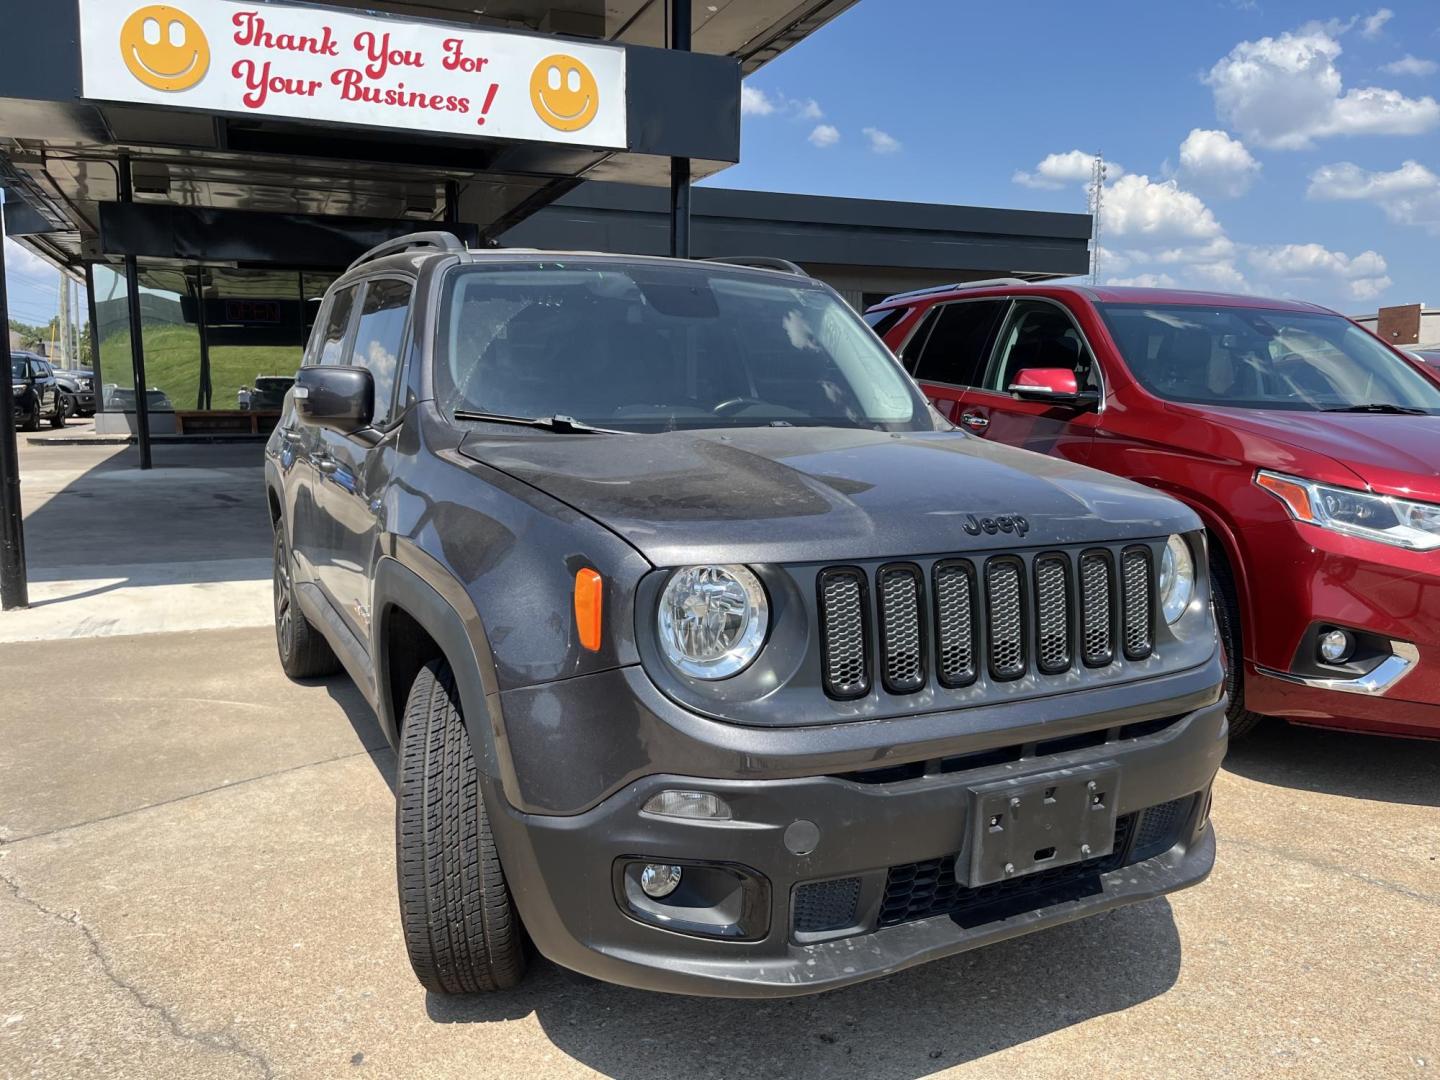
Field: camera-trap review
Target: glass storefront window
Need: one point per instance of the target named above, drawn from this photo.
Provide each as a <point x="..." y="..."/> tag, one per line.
<point x="112" y="330"/>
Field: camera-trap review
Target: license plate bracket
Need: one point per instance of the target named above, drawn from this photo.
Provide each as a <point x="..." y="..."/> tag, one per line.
<point x="1032" y="823"/>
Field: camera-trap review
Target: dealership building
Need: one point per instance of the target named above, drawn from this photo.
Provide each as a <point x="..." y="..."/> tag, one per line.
<point x="209" y="167"/>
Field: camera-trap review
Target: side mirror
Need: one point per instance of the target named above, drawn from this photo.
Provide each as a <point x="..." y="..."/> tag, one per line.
<point x="1055" y="385"/>
<point x="339" y="398"/>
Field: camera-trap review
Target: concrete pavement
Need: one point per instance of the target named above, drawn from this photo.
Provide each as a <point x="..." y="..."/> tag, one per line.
<point x="199" y="881"/>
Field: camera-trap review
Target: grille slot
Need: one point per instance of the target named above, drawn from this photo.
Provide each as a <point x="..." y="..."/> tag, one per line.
<point x="1052" y="614"/>
<point x="1005" y="610"/>
<point x="844" y="633"/>
<point x="1137" y="602"/>
<point x="902" y="635"/>
<point x="1160" y="827"/>
<point x="955" y="623"/>
<point x="1096" y="627"/>
<point x="826" y="905"/>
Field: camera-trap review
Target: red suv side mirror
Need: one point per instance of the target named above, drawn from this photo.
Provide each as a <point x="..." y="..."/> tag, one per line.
<point x="1056" y="385"/>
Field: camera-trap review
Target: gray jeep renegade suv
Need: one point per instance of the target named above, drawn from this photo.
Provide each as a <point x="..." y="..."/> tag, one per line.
<point x="715" y="661"/>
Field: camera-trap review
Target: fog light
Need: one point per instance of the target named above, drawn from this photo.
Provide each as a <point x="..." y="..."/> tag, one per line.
<point x="659" y="880"/>
<point x="1336" y="646"/>
<point x="689" y="804"/>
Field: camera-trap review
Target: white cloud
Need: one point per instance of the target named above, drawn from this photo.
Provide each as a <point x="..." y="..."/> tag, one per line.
<point x="825" y="135"/>
<point x="1213" y="161"/>
<point x="1060" y="170"/>
<point x="1285" y="92"/>
<point x="1362" y="277"/>
<point x="1411" y="65"/>
<point x="1137" y="207"/>
<point x="1409" y="195"/>
<point x="1373" y="25"/>
<point x="755" y="102"/>
<point x="809" y="109"/>
<point x="882" y="142"/>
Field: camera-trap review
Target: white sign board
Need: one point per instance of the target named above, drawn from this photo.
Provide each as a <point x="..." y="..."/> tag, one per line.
<point x="313" y="63"/>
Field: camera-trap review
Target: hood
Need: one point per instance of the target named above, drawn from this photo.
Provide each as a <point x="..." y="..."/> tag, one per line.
<point x="795" y="495"/>
<point x="1395" y="455"/>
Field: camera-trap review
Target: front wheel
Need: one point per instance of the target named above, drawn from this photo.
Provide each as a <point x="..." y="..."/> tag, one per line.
<point x="32" y="419"/>
<point x="62" y="410"/>
<point x="1227" y="623"/>
<point x="461" y="928"/>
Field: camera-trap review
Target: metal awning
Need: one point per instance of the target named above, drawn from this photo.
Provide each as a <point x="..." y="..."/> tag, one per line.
<point x="59" y="151"/>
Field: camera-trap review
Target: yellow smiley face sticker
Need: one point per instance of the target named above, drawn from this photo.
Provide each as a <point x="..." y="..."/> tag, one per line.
<point x="164" y="48"/>
<point x="564" y="92"/>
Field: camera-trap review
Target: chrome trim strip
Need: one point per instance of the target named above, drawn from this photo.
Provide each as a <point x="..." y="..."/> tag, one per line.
<point x="1401" y="661"/>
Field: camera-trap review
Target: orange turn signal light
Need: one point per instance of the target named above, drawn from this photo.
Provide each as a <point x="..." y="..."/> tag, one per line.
<point x="589" y="589"/>
<point x="1295" y="496"/>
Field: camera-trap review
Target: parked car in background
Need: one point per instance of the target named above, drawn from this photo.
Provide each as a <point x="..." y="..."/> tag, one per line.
<point x="37" y="393"/>
<point x="1307" y="446"/>
<point x="1427" y="356"/>
<point x="78" y="387"/>
<point x="122" y="399"/>
<point x="267" y="395"/>
<point x="639" y="563"/>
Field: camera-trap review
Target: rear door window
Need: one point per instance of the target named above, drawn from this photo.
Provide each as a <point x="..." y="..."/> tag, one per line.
<point x="958" y="347"/>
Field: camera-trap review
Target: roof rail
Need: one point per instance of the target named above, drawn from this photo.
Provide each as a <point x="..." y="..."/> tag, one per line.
<point x="983" y="283"/>
<point x="434" y="241"/>
<point x="762" y="262"/>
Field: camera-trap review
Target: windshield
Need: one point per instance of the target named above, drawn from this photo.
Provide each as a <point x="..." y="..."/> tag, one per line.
<point x="646" y="348"/>
<point x="1260" y="359"/>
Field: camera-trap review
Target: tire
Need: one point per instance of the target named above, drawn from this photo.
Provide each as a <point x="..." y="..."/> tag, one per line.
<point x="62" y="410"/>
<point x="461" y="928"/>
<point x="304" y="653"/>
<point x="1227" y="622"/>
<point x="32" y="422"/>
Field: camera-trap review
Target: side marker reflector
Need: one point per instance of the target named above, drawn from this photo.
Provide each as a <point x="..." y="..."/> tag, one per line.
<point x="589" y="588"/>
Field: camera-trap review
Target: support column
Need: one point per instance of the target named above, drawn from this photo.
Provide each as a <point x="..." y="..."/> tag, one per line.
<point x="137" y="342"/>
<point x="98" y="382"/>
<point x="14" y="587"/>
<point x="680" y="167"/>
<point x="452" y="202"/>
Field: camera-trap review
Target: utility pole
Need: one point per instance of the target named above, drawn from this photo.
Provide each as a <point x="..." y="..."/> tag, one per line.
<point x="1097" y="199"/>
<point x="63" y="353"/>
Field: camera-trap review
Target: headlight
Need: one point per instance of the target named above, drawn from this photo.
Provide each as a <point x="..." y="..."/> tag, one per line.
<point x="712" y="620"/>
<point x="1406" y="524"/>
<point x="1177" y="578"/>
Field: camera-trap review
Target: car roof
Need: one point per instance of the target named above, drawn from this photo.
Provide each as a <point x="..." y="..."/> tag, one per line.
<point x="1108" y="294"/>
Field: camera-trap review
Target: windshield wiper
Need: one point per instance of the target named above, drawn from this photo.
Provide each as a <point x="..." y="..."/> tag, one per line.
<point x="559" y="423"/>
<point x="1379" y="407"/>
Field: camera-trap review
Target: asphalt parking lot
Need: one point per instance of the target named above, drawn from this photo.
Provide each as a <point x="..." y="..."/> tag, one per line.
<point x="198" y="880"/>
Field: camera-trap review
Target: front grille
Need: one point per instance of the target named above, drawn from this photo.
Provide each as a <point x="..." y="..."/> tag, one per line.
<point x="922" y="889"/>
<point x="826" y="905"/>
<point x="843" y="620"/>
<point x="1002" y="615"/>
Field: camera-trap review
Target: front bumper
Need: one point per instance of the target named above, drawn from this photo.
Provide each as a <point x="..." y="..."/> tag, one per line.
<point x="1312" y="576"/>
<point x="891" y="837"/>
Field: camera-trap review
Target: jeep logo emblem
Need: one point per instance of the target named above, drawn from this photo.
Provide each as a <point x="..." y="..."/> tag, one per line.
<point x="1000" y="523"/>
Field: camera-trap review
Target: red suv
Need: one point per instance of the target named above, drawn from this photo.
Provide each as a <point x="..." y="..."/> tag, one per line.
<point x="1310" y="448"/>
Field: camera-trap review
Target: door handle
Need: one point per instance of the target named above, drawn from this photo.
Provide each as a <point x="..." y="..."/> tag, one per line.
<point x="975" y="420"/>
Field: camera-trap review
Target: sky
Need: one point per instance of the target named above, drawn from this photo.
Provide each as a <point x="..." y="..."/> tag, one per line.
<point x="1253" y="146"/>
<point x="1273" y="148"/>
